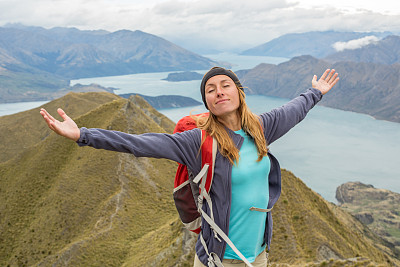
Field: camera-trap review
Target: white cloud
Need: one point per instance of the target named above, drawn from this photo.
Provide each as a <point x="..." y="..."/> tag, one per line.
<point x="355" y="44"/>
<point x="198" y="24"/>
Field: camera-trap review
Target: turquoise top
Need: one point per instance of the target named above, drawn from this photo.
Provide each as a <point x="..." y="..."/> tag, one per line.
<point x="249" y="189"/>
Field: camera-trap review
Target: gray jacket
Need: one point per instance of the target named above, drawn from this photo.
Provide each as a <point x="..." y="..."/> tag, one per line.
<point x="183" y="148"/>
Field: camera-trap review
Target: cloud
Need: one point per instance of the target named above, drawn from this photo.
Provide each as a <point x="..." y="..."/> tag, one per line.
<point x="236" y="26"/>
<point x="198" y="25"/>
<point x="355" y="44"/>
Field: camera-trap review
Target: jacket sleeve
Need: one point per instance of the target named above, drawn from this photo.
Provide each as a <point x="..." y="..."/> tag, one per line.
<point x="180" y="147"/>
<point x="279" y="121"/>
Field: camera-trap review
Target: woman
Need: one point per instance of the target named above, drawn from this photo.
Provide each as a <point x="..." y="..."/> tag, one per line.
<point x="247" y="181"/>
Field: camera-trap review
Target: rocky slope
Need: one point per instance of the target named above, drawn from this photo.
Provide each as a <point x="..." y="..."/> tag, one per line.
<point x="65" y="205"/>
<point x="379" y="209"/>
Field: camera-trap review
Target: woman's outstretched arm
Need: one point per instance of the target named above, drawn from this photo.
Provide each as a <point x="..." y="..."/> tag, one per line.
<point x="280" y="120"/>
<point x="181" y="147"/>
<point x="66" y="128"/>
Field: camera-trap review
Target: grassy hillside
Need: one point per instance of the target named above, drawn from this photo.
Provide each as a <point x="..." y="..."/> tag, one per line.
<point x="68" y="205"/>
<point x="61" y="205"/>
<point x="22" y="130"/>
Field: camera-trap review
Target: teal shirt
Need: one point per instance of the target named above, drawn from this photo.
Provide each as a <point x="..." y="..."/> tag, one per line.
<point x="249" y="189"/>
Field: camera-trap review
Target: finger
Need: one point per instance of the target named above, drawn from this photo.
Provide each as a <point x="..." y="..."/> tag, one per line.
<point x="332" y="80"/>
<point x="47" y="114"/>
<point x="52" y="126"/>
<point x="49" y="122"/>
<point x="314" y="78"/>
<point x="325" y="73"/>
<point x="335" y="81"/>
<point x="63" y="115"/>
<point x="330" y="75"/>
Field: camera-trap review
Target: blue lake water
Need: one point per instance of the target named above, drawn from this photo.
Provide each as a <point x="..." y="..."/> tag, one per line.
<point x="331" y="147"/>
<point x="328" y="148"/>
<point x="11" y="108"/>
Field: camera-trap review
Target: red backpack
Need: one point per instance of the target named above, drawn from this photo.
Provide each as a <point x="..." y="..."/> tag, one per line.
<point x="186" y="189"/>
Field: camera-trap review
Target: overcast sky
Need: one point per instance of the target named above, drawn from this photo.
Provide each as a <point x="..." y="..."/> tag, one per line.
<point x="228" y="25"/>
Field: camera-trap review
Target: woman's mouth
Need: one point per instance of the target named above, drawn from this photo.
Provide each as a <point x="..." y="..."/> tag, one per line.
<point x="221" y="101"/>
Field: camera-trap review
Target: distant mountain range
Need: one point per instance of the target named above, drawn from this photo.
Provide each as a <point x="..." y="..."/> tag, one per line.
<point x="61" y="204"/>
<point x="317" y="44"/>
<point x="73" y="54"/>
<point x="385" y="51"/>
<point x="368" y="88"/>
<point x="35" y="62"/>
<point x="369" y="69"/>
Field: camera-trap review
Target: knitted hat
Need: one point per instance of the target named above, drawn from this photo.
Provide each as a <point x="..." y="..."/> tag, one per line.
<point x="214" y="72"/>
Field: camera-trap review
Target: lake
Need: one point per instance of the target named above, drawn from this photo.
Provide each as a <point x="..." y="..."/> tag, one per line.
<point x="331" y="147"/>
<point x="328" y="148"/>
<point x="11" y="108"/>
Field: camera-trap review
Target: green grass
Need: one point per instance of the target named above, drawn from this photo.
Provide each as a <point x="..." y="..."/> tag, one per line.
<point x="394" y="231"/>
<point x="61" y="200"/>
<point x="26" y="129"/>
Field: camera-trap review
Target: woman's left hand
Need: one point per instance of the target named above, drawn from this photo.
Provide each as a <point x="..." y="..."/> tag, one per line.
<point x="326" y="82"/>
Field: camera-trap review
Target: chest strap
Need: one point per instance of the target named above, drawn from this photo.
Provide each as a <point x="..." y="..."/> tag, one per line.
<point x="260" y="210"/>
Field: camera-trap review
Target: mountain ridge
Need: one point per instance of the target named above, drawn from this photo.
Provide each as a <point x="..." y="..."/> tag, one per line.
<point x="54" y="197"/>
<point x="93" y="54"/>
<point x="315" y="43"/>
<point x="367" y="88"/>
<point x="385" y="51"/>
<point x="62" y="204"/>
<point x="36" y="62"/>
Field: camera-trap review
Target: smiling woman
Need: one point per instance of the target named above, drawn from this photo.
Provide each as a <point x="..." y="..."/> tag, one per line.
<point x="222" y="98"/>
<point x="247" y="178"/>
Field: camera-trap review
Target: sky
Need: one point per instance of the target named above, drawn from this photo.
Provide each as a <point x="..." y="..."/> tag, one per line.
<point x="204" y="25"/>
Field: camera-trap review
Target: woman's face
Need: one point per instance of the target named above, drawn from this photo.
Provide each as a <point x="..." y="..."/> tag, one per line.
<point x="222" y="95"/>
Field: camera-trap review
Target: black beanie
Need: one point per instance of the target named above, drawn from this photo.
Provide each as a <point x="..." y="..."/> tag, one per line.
<point x="214" y="72"/>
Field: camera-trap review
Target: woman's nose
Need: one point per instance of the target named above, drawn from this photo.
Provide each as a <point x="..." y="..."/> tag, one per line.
<point x="219" y="91"/>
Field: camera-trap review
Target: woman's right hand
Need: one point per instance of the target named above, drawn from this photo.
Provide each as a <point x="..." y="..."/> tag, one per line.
<point x="67" y="128"/>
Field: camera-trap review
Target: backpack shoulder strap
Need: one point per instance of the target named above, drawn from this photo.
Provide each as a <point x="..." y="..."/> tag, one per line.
<point x="208" y="154"/>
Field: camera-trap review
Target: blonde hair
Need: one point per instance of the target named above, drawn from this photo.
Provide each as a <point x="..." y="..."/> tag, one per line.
<point x="250" y="124"/>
